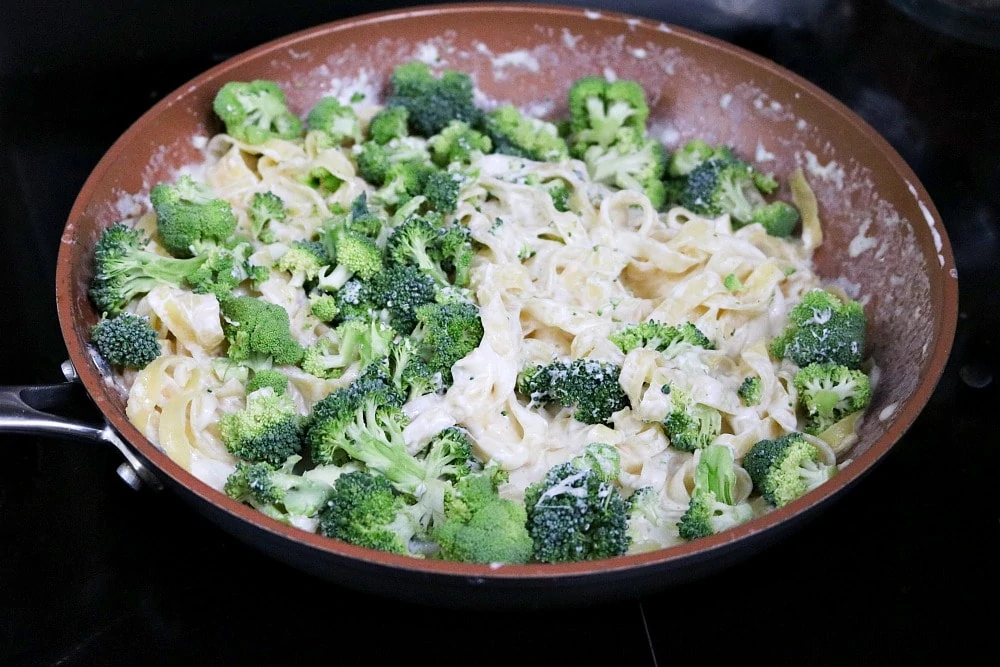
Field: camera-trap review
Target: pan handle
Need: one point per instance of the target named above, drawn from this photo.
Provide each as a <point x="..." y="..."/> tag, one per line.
<point x="23" y="410"/>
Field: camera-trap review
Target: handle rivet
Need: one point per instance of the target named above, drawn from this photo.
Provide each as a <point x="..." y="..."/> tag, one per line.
<point x="69" y="371"/>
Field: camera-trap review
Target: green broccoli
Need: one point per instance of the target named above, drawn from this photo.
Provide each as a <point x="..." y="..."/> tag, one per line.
<point x="652" y="524"/>
<point x="258" y="332"/>
<point x="362" y="220"/>
<point x="598" y="109"/>
<point x="690" y="425"/>
<point x="432" y="103"/>
<point x="531" y="138"/>
<point x="322" y="180"/>
<point x="400" y="290"/>
<point x="445" y="333"/>
<point x="267" y="430"/>
<point x="127" y="341"/>
<point x="375" y="160"/>
<point x="415" y="242"/>
<point x="630" y="162"/>
<point x="602" y="458"/>
<point x="590" y="387"/>
<point x="265" y="208"/>
<point x="356" y="255"/>
<point x="338" y="121"/>
<point x="560" y="194"/>
<point x="787" y="468"/>
<point x="732" y="283"/>
<point x="441" y="191"/>
<point x="276" y="380"/>
<point x="573" y="515"/>
<point x="255" y="112"/>
<point x="364" y="421"/>
<point x="277" y="492"/>
<point x="410" y="373"/>
<point x="661" y="337"/>
<point x="823" y="329"/>
<point x="305" y="260"/>
<point x="829" y="392"/>
<point x="458" y="143"/>
<point x="365" y="510"/>
<point x="751" y="390"/>
<point x="354" y="341"/>
<point x="480" y="527"/>
<point x="123" y="270"/>
<point x="692" y="154"/>
<point x="712" y="508"/>
<point x="403" y="181"/>
<point x="388" y="124"/>
<point x="728" y="185"/>
<point x="454" y="248"/>
<point x="188" y="215"/>
<point x="353" y="301"/>
<point x="778" y="218"/>
<point x="323" y="307"/>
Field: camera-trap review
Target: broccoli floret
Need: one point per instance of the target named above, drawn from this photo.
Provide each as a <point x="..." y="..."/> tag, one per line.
<point x="560" y="193"/>
<point x="410" y="374"/>
<point x="573" y="515"/>
<point x="692" y="154"/>
<point x="652" y="524"/>
<point x="661" y="337"/>
<point x="304" y="260"/>
<point x="829" y="392"/>
<point x="787" y="468"/>
<point x="336" y="120"/>
<point x="480" y="527"/>
<point x="726" y="186"/>
<point x="631" y="162"/>
<point x="323" y="180"/>
<point x="712" y="508"/>
<point x="388" y="124"/>
<point x="276" y="380"/>
<point x="255" y="112"/>
<point x="127" y="341"/>
<point x="415" y="243"/>
<point x="265" y="207"/>
<point x="353" y="301"/>
<point x="823" y="329"/>
<point x="123" y="270"/>
<point x="751" y="390"/>
<point x="188" y="215"/>
<point x="766" y="183"/>
<point x="365" y="422"/>
<point x="267" y="430"/>
<point x="602" y="458"/>
<point x="590" y="387"/>
<point x="531" y="138"/>
<point x="223" y="269"/>
<point x="777" y="218"/>
<point x="403" y="181"/>
<point x="365" y="510"/>
<point x="690" y="425"/>
<point x="277" y="492"/>
<point x="458" y="143"/>
<point x="401" y="290"/>
<point x="441" y="191"/>
<point x="454" y="249"/>
<point x="362" y="220"/>
<point x="375" y="160"/>
<point x="356" y="255"/>
<point x="432" y="103"/>
<point x="598" y="109"/>
<point x="447" y="332"/>
<point x="354" y="341"/>
<point x="323" y="307"/>
<point x="258" y="331"/>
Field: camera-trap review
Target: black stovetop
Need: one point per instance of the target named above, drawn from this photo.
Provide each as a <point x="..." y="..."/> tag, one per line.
<point x="92" y="572"/>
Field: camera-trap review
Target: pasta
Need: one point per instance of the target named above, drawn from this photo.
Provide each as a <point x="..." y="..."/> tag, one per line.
<point x="551" y="282"/>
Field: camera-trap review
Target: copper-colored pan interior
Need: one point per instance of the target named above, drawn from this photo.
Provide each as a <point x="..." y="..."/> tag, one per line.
<point x="871" y="203"/>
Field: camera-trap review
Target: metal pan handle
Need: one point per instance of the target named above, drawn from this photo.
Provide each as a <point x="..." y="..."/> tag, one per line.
<point x="23" y="410"/>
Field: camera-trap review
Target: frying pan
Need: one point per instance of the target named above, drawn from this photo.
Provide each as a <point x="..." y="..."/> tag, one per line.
<point x="884" y="244"/>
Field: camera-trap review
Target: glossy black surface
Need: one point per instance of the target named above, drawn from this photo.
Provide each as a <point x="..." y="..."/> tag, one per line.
<point x="91" y="572"/>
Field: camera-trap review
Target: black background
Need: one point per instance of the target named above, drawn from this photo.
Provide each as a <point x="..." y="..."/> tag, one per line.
<point x="91" y="572"/>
